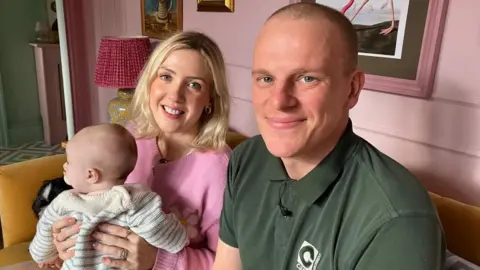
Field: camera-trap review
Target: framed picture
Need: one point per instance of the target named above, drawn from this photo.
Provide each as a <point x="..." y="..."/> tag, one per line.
<point x="216" y="5"/>
<point x="398" y="42"/>
<point x="161" y="18"/>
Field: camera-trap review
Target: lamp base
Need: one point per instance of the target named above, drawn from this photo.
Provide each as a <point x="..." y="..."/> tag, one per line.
<point x="118" y="107"/>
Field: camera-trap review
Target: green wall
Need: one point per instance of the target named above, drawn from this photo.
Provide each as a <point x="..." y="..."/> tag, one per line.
<point x="17" y="66"/>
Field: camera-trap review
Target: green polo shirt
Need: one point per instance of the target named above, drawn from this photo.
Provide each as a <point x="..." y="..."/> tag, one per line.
<point x="358" y="209"/>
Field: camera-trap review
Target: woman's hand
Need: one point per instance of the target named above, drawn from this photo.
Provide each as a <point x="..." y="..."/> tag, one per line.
<point x="62" y="234"/>
<point x="134" y="252"/>
<point x="57" y="263"/>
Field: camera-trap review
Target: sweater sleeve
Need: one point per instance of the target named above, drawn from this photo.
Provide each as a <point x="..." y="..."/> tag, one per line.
<point x="42" y="247"/>
<point x="160" y="230"/>
<point x="201" y="258"/>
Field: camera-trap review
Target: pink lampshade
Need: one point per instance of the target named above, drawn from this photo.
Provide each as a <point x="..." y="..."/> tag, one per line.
<point x="120" y="61"/>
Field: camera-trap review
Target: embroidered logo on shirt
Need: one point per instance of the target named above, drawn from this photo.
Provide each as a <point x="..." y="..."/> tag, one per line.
<point x="308" y="257"/>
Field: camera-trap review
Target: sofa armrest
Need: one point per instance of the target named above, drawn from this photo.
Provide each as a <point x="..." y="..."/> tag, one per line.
<point x="461" y="226"/>
<point x="19" y="184"/>
<point x="235" y="138"/>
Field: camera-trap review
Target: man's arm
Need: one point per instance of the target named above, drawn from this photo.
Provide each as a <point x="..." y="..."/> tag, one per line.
<point x="227" y="257"/>
<point x="411" y="242"/>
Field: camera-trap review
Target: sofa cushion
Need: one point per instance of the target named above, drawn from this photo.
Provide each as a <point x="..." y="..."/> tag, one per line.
<point x="19" y="184"/>
<point x="15" y="254"/>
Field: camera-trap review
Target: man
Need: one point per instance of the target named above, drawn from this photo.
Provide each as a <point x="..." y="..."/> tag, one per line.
<point x="308" y="193"/>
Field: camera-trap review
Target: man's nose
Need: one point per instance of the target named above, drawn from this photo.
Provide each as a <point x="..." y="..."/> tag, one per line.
<point x="282" y="96"/>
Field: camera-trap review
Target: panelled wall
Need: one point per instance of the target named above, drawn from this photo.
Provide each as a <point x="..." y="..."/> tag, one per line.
<point x="438" y="139"/>
<point x="17" y="66"/>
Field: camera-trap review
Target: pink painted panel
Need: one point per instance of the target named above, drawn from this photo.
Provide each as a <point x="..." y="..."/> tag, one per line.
<point x="459" y="62"/>
<point x="445" y="172"/>
<point x="237" y="31"/>
<point x="91" y="30"/>
<point x="239" y="81"/>
<point x="133" y="17"/>
<point x="242" y="117"/>
<point x="442" y="124"/>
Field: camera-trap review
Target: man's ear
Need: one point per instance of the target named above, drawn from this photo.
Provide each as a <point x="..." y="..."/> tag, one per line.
<point x="93" y="176"/>
<point x="356" y="85"/>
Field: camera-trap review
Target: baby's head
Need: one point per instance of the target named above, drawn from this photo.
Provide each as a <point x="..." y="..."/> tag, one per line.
<point x="99" y="157"/>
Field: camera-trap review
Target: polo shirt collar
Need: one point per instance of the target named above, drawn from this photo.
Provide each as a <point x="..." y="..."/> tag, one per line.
<point x="314" y="184"/>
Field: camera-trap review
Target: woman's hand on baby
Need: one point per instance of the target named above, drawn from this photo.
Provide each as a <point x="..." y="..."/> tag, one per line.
<point x="134" y="252"/>
<point x="57" y="263"/>
<point x="62" y="231"/>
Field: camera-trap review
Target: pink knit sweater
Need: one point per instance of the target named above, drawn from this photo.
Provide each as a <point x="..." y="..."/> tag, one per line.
<point x="192" y="188"/>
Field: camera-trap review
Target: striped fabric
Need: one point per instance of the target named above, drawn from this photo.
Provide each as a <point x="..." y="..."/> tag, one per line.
<point x="130" y="206"/>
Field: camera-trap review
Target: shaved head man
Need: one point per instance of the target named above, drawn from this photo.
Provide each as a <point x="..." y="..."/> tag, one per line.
<point x="308" y="193"/>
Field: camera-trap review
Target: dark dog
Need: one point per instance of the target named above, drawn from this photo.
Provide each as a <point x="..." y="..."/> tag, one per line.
<point x="49" y="190"/>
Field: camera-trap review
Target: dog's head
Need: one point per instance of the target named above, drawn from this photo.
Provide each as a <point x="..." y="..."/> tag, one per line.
<point x="49" y="190"/>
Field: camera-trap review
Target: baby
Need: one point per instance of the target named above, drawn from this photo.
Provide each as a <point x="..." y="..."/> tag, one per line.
<point x="99" y="158"/>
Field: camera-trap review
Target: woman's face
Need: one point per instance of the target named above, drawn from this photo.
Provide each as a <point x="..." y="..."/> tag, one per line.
<point x="180" y="92"/>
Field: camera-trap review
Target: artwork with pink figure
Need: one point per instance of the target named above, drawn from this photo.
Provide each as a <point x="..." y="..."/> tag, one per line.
<point x="380" y="24"/>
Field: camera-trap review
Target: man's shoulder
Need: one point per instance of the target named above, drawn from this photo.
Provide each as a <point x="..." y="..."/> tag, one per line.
<point x="248" y="159"/>
<point x="251" y="146"/>
<point x="385" y="179"/>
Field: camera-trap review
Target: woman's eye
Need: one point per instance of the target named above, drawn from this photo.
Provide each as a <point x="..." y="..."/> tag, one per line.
<point x="195" y="85"/>
<point x="307" y="79"/>
<point x="165" y="77"/>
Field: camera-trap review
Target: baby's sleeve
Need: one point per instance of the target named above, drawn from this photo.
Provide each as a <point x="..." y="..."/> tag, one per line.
<point x="159" y="229"/>
<point x="42" y="248"/>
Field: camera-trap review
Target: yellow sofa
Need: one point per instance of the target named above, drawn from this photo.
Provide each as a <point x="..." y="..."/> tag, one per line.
<point x="20" y="182"/>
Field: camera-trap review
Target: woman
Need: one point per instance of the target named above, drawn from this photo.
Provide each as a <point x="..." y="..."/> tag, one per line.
<point x="180" y="119"/>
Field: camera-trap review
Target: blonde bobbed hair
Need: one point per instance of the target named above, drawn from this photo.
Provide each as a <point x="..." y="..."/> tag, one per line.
<point x="213" y="127"/>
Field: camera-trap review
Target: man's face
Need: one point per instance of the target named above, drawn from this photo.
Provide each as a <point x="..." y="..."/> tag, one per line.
<point x="302" y="90"/>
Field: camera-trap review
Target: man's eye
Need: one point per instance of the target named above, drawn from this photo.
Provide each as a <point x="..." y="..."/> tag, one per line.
<point x="307" y="79"/>
<point x="265" y="79"/>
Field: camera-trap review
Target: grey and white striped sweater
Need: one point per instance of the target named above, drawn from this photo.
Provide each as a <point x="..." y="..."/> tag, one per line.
<point x="130" y="206"/>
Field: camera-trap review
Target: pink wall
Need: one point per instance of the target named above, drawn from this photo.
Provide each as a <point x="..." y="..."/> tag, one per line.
<point x="438" y="139"/>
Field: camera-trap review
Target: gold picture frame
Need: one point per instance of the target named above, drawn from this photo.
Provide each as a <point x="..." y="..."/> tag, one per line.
<point x="216" y="5"/>
<point x="161" y="18"/>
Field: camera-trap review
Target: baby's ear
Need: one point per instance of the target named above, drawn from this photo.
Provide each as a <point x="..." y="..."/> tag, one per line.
<point x="93" y="176"/>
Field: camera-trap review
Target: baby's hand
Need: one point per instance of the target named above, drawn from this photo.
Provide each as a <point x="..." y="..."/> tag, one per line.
<point x="57" y="263"/>
<point x="46" y="265"/>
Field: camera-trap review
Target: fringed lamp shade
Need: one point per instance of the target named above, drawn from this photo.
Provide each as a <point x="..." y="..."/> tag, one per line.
<point x="120" y="61"/>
